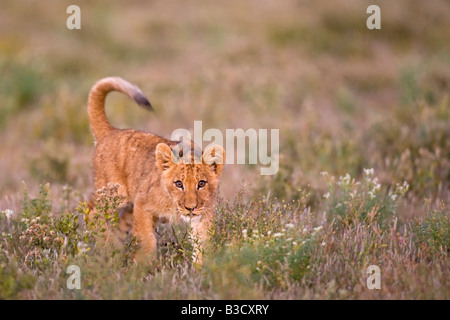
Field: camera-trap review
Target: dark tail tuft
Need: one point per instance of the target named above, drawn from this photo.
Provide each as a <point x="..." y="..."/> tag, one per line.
<point x="143" y="102"/>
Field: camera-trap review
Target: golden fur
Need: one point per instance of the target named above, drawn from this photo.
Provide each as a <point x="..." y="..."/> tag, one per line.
<point x="155" y="185"/>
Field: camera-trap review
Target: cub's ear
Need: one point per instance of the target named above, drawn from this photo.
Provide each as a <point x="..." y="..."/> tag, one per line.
<point x="163" y="157"/>
<point x="214" y="155"/>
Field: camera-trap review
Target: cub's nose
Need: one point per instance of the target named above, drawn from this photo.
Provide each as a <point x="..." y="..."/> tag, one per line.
<point x="190" y="208"/>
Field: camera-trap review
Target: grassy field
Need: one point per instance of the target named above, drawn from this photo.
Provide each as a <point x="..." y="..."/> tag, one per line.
<point x="364" y="120"/>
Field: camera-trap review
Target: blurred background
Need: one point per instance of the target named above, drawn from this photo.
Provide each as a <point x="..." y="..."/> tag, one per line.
<point x="344" y="97"/>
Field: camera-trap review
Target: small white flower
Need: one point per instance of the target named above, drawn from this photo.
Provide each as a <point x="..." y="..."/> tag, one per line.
<point x="278" y="234"/>
<point x="304" y="230"/>
<point x="324" y="173"/>
<point x="244" y="233"/>
<point x="82" y="247"/>
<point x="368" y="172"/>
<point x="394" y="197"/>
<point x="289" y="225"/>
<point x="346" y="179"/>
<point x="9" y="213"/>
<point x="47" y="252"/>
<point x="318" y="229"/>
<point x="323" y="243"/>
<point x="376" y="188"/>
<point x="402" y="189"/>
<point x="326" y="195"/>
<point x="371" y="195"/>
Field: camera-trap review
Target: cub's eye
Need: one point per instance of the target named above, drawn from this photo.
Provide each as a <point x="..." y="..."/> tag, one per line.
<point x="179" y="184"/>
<point x="201" y="184"/>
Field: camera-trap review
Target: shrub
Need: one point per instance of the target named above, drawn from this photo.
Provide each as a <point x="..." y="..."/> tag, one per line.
<point x="353" y="201"/>
<point x="433" y="230"/>
<point x="261" y="215"/>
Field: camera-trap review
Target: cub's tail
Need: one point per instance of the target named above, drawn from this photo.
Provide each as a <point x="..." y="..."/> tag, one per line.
<point x="96" y="104"/>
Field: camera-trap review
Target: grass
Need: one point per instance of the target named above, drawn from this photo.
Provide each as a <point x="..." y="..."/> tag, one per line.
<point x="264" y="248"/>
<point x="364" y="172"/>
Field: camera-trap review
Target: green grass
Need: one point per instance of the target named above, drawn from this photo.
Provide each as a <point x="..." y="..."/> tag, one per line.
<point x="345" y="99"/>
<point x="258" y="249"/>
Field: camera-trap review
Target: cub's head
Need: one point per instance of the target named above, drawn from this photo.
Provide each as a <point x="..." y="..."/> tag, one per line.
<point x="191" y="178"/>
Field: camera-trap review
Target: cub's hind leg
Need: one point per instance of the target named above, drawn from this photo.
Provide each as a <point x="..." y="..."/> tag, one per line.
<point x="125" y="222"/>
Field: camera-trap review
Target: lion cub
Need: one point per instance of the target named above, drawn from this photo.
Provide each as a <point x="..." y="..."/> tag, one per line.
<point x="154" y="182"/>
